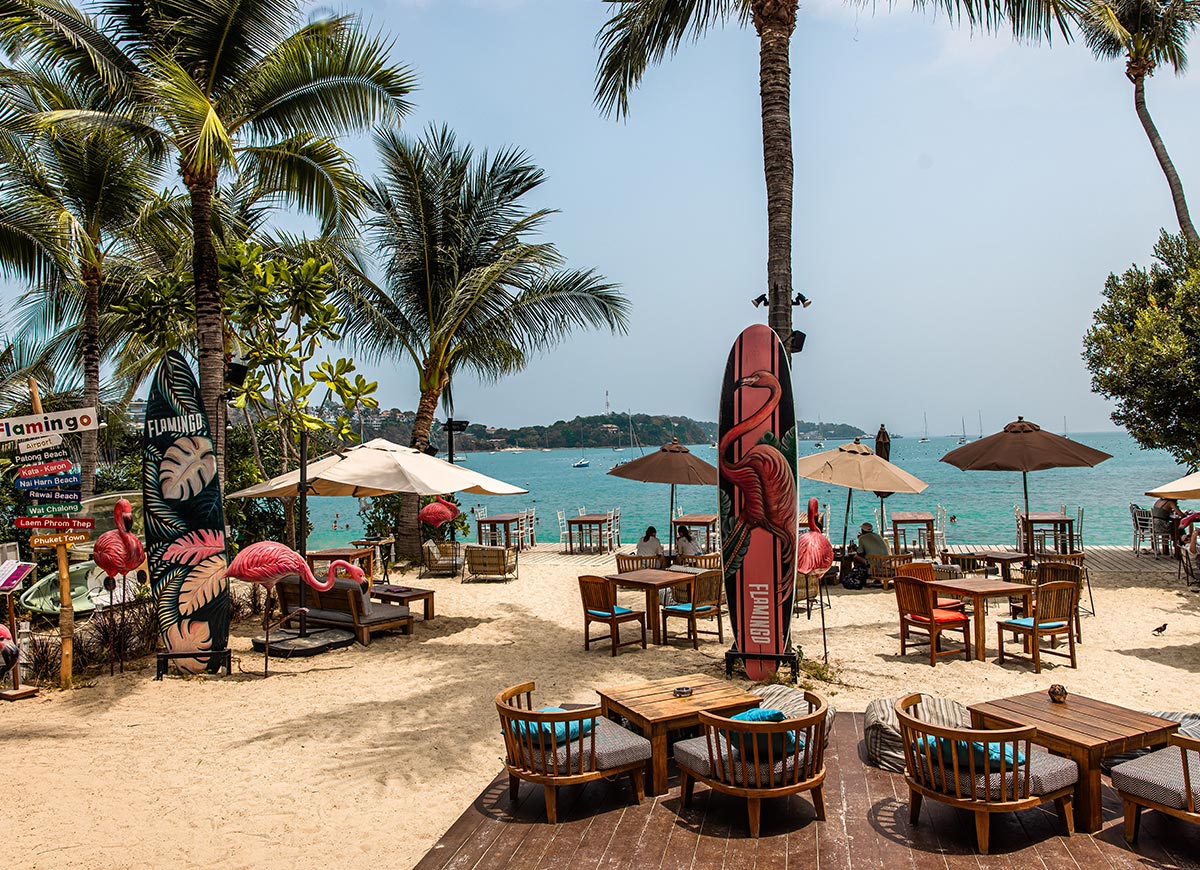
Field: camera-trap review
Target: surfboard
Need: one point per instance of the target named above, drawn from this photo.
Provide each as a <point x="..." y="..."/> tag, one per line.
<point x="184" y="518"/>
<point x="756" y="454"/>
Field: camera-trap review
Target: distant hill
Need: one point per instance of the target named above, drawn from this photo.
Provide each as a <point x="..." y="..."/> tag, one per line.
<point x="825" y="431"/>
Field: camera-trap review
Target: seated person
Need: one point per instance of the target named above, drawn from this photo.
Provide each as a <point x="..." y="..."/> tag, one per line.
<point x="649" y="545"/>
<point x="869" y="544"/>
<point x="685" y="545"/>
<point x="1161" y="516"/>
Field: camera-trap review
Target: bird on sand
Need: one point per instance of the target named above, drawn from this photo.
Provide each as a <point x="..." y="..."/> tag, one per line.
<point x="1158" y="631"/>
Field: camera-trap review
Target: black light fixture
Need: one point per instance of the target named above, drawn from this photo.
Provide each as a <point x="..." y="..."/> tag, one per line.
<point x="801" y="299"/>
<point x="761" y="300"/>
<point x="431" y="450"/>
<point x="795" y="344"/>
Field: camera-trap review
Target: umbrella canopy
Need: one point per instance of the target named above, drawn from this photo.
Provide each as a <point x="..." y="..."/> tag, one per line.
<point x="1185" y="487"/>
<point x="1024" y="446"/>
<point x="883" y="443"/>
<point x="380" y="467"/>
<point x="857" y="466"/>
<point x="672" y="463"/>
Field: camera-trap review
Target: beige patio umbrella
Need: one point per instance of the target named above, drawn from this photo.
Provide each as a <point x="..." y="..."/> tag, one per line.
<point x="1186" y="487"/>
<point x="857" y="466"/>
<point x="674" y="464"/>
<point x="380" y="467"/>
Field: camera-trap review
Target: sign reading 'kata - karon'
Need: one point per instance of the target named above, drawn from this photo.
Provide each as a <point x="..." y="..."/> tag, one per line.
<point x="62" y="523"/>
<point x="65" y="538"/>
<point x="45" y="468"/>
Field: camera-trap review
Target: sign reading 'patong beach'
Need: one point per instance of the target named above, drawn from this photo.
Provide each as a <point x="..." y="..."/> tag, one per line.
<point x="185" y="520"/>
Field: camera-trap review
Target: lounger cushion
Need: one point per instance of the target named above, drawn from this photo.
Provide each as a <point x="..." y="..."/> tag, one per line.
<point x="615" y="747"/>
<point x="1027" y="622"/>
<point x="693" y="754"/>
<point x="1158" y="777"/>
<point x="881" y="728"/>
<point x="561" y="731"/>
<point x="944" y="750"/>
<point x="1189" y="726"/>
<point x="791" y="702"/>
<point x="940" y="616"/>
<point x="617" y="611"/>
<point x="1047" y="773"/>
<point x="777" y="743"/>
<point x="339" y="616"/>
<point x="687" y="608"/>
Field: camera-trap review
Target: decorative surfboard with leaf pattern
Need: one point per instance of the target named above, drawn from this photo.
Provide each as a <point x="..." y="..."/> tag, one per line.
<point x="185" y="520"/>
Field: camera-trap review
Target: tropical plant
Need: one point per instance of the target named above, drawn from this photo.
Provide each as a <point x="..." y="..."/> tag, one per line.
<point x="1148" y="34"/>
<point x="225" y="85"/>
<point x="1143" y="349"/>
<point x="465" y="285"/>
<point x="640" y="33"/>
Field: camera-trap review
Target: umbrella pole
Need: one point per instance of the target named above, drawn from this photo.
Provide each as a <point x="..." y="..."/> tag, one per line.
<point x="671" y="522"/>
<point x="846" y="523"/>
<point x="1026" y="527"/>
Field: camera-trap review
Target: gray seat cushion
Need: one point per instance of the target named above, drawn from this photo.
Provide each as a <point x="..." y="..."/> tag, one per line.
<point x="382" y="613"/>
<point x="1189" y="726"/>
<point x="1047" y="773"/>
<point x="338" y="616"/>
<point x="693" y="754"/>
<point x="615" y="747"/>
<point x="881" y="727"/>
<point x="790" y="702"/>
<point x="1158" y="777"/>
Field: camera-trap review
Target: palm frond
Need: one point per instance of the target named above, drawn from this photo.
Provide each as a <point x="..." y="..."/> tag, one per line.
<point x="310" y="172"/>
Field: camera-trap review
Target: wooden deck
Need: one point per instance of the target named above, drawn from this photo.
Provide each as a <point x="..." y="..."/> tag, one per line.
<point x="867" y="827"/>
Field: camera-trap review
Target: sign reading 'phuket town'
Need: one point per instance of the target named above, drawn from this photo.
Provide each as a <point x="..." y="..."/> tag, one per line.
<point x="53" y="423"/>
<point x="67" y="538"/>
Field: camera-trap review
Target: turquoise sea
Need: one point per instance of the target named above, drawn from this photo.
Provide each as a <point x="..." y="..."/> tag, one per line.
<point x="982" y="501"/>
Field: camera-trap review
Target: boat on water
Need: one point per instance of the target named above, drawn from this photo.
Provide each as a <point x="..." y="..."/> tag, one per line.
<point x="962" y="439"/>
<point x="819" y="445"/>
<point x="924" y="439"/>
<point x="581" y="462"/>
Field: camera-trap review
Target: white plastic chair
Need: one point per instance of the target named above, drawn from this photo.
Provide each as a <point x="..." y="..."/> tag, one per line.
<point x="1143" y="529"/>
<point x="610" y="528"/>
<point x="562" y="527"/>
<point x="617" y="526"/>
<point x="522" y="530"/>
<point x="531" y="527"/>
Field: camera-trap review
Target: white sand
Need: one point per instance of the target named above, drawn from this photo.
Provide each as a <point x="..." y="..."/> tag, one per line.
<point x="369" y="754"/>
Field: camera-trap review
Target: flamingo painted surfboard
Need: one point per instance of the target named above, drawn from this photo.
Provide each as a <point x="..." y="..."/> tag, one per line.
<point x="185" y="519"/>
<point x="757" y="461"/>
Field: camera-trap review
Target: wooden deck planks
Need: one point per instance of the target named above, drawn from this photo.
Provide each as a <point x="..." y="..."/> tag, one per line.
<point x="867" y="826"/>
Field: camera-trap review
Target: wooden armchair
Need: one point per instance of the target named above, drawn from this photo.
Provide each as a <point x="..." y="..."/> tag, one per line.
<point x="1167" y="780"/>
<point x="489" y="563"/>
<point x="914" y="599"/>
<point x="982" y="771"/>
<point x="708" y="561"/>
<point x="553" y="747"/>
<point x="697" y="598"/>
<point x="600" y="605"/>
<point x="757" y="760"/>
<point x="883" y="568"/>
<point x="924" y="572"/>
<point x="638" y="563"/>
<point x="1054" y="613"/>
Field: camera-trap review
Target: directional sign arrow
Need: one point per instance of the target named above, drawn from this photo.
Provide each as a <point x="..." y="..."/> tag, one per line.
<point x="45" y="468"/>
<point x="53" y="523"/>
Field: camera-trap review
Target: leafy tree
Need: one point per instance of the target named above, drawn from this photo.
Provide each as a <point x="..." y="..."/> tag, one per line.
<point x="1143" y="350"/>
<point x="1148" y="34"/>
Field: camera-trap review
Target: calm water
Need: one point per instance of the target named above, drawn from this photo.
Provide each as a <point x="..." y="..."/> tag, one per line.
<point x="982" y="501"/>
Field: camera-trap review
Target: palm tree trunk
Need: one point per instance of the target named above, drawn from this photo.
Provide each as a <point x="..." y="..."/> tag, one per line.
<point x="423" y="423"/>
<point x="210" y="321"/>
<point x="89" y="350"/>
<point x="408" y="533"/>
<point x="1164" y="160"/>
<point x="775" y="21"/>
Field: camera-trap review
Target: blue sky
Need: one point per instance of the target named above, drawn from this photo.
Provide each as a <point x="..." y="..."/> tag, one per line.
<point x="959" y="202"/>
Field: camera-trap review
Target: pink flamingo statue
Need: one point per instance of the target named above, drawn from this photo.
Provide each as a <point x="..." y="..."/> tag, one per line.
<point x="814" y="556"/>
<point x="438" y="513"/>
<point x="265" y="563"/>
<point x="118" y="552"/>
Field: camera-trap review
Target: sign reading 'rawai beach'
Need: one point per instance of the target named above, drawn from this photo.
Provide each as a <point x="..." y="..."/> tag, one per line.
<point x="54" y="423"/>
<point x="55" y="495"/>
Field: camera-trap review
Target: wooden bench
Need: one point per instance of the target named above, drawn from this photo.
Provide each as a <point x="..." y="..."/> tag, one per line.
<point x="344" y="606"/>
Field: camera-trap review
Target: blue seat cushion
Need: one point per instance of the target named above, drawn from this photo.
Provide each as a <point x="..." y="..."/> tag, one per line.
<point x="558" y="731"/>
<point x="617" y="611"/>
<point x="1027" y="622"/>
<point x="948" y="749"/>
<point x="687" y="608"/>
<point x="778" y="744"/>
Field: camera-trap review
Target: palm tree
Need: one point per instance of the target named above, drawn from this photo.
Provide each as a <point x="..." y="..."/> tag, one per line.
<point x="92" y="187"/>
<point x="226" y="85"/>
<point x="1148" y="34"/>
<point x="639" y="33"/>
<point x="465" y="287"/>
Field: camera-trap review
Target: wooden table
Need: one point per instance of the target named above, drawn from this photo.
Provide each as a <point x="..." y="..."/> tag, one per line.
<point x="405" y="595"/>
<point x="707" y="521"/>
<point x="600" y="521"/>
<point x="978" y="589"/>
<point x="1082" y="729"/>
<point x="363" y="556"/>
<point x="378" y="544"/>
<point x="911" y="518"/>
<point x="1004" y="559"/>
<point x="655" y="710"/>
<point x="1060" y="525"/>
<point x="493" y="523"/>
<point x="651" y="580"/>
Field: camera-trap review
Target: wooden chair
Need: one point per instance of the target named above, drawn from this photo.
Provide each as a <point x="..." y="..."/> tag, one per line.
<point x="952" y="766"/>
<point x="600" y="605"/>
<point x="489" y="563"/>
<point x="753" y="759"/>
<point x="344" y="606"/>
<point x="565" y="747"/>
<point x="924" y="572"/>
<point x="1053" y="615"/>
<point x="883" y="568"/>
<point x="1167" y="780"/>
<point x="1078" y="559"/>
<point x="1064" y="572"/>
<point x="697" y="598"/>
<point x="914" y="599"/>
<point x="704" y="560"/>
<point x="638" y="563"/>
<point x="968" y="563"/>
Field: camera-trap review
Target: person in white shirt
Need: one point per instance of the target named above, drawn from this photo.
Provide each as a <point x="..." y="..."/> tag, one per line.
<point x="650" y="545"/>
<point x="685" y="545"/>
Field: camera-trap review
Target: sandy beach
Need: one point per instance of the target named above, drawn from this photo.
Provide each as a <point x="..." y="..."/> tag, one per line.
<point x="368" y="754"/>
